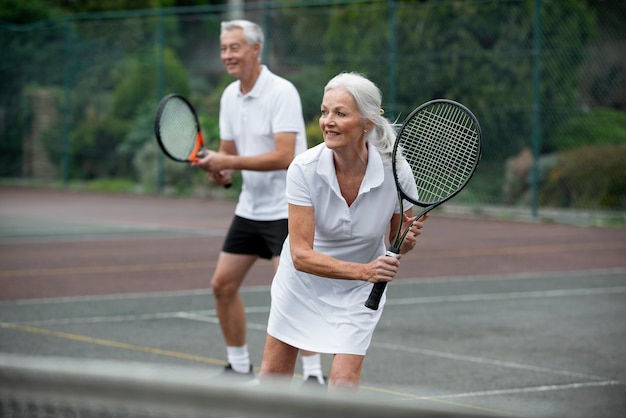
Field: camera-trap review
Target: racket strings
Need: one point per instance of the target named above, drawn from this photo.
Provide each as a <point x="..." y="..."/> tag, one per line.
<point x="441" y="144"/>
<point x="178" y="128"/>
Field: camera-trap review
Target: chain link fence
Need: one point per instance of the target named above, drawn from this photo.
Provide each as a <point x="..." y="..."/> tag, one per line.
<point x="546" y="79"/>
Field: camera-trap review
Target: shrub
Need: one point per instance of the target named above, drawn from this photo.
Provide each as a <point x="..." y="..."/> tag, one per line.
<point x="599" y="127"/>
<point x="587" y="177"/>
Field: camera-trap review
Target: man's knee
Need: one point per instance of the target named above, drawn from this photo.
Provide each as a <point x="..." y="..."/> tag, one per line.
<point x="224" y="287"/>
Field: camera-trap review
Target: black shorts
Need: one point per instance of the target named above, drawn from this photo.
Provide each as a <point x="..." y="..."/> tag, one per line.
<point x="262" y="238"/>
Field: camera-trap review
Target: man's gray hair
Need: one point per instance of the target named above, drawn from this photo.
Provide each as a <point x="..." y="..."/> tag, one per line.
<point x="251" y="31"/>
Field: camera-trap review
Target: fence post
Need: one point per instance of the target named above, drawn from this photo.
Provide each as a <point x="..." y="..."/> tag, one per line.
<point x="393" y="54"/>
<point x="536" y="106"/>
<point x="160" y="92"/>
<point x="65" y="152"/>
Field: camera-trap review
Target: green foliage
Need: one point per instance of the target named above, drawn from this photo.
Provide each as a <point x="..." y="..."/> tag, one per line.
<point x="314" y="134"/>
<point x="111" y="185"/>
<point x="587" y="177"/>
<point x="478" y="54"/>
<point x="130" y="94"/>
<point x="93" y="149"/>
<point x="310" y="82"/>
<point x="87" y="6"/>
<point x="357" y="41"/>
<point x="154" y="170"/>
<point x="149" y="164"/>
<point x="209" y="123"/>
<point x="141" y="131"/>
<point x="598" y="127"/>
<point x="21" y="12"/>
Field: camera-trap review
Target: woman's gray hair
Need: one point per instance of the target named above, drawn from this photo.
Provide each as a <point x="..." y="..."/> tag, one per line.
<point x="368" y="98"/>
<point x="251" y="31"/>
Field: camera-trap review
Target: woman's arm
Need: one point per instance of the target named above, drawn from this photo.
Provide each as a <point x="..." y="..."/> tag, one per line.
<point x="306" y="259"/>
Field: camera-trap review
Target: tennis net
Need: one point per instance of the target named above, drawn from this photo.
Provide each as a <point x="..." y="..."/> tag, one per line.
<point x="42" y="387"/>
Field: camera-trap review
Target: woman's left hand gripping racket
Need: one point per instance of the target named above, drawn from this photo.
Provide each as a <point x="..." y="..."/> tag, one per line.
<point x="178" y="131"/>
<point x="441" y="142"/>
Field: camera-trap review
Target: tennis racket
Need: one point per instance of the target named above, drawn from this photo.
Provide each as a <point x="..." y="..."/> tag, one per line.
<point x="178" y="130"/>
<point x="441" y="142"/>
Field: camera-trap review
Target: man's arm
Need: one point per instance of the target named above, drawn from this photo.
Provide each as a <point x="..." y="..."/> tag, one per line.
<point x="227" y="157"/>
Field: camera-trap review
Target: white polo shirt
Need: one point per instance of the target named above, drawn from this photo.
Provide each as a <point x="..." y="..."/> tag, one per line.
<point x="322" y="314"/>
<point x="251" y="120"/>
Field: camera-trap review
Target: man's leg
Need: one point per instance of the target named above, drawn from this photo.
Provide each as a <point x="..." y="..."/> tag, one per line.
<point x="229" y="273"/>
<point x="312" y="367"/>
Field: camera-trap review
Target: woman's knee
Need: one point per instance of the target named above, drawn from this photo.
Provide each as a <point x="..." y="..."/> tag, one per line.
<point x="346" y="371"/>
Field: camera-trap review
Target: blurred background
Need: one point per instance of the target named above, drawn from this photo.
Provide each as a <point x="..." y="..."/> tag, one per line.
<point x="80" y="82"/>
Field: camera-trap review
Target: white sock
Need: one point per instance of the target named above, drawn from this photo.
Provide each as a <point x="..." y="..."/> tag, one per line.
<point x="239" y="358"/>
<point x="312" y="366"/>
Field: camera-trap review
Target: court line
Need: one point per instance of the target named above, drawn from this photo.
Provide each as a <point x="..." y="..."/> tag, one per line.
<point x="566" y="274"/>
<point x="530" y="389"/>
<point x="109" y="343"/>
<point x="535" y="294"/>
<point x="208" y="315"/>
<point x="529" y="249"/>
<point x="412" y="397"/>
<point x="202" y="316"/>
<point x="484" y="361"/>
<point x="204" y="264"/>
<point x="108" y="269"/>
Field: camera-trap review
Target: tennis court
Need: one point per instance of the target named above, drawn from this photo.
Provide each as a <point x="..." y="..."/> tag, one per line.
<point x="488" y="316"/>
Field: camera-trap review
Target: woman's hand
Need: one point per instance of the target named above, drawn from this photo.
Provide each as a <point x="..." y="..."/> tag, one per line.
<point x="382" y="269"/>
<point x="411" y="237"/>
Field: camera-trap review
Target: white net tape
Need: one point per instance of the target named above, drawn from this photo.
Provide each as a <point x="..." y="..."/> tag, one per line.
<point x="36" y="387"/>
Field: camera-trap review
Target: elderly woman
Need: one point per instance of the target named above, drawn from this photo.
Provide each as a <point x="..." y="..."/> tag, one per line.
<point x="342" y="200"/>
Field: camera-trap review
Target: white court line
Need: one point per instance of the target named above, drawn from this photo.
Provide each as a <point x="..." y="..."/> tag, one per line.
<point x="484" y="361"/>
<point x="513" y="391"/>
<point x="254" y="289"/>
<point x="514" y="276"/>
<point x="201" y="315"/>
<point x="538" y="294"/>
<point x="214" y="320"/>
<point x="112" y="318"/>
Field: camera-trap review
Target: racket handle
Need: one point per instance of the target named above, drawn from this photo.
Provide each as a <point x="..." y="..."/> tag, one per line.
<point x="376" y="294"/>
<point x="227" y="186"/>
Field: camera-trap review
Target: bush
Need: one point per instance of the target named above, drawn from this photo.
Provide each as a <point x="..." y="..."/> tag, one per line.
<point x="588" y="177"/>
<point x="314" y="134"/>
<point x="599" y="127"/>
<point x="180" y="177"/>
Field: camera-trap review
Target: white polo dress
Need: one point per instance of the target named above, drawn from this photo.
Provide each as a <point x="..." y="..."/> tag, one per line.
<point x="328" y="315"/>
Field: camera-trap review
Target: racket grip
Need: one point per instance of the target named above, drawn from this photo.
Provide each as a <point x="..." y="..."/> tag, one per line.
<point x="227" y="186"/>
<point x="376" y="294"/>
